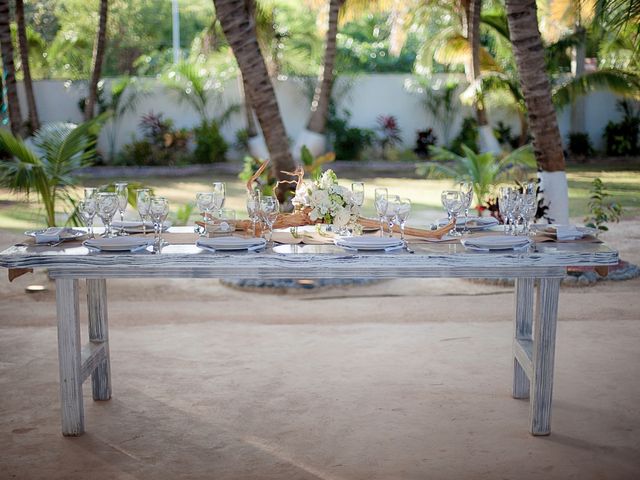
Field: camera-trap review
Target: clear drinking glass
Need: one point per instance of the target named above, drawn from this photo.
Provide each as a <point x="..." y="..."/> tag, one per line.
<point x="158" y="209"/>
<point x="87" y="210"/>
<point x="466" y="191"/>
<point x="531" y="205"/>
<point x="143" y="202"/>
<point x="269" y="209"/>
<point x="381" y="204"/>
<point x="106" y="206"/>
<point x="393" y="205"/>
<point x="452" y="202"/>
<point x="205" y="202"/>
<point x="403" y="209"/>
<point x="219" y="194"/>
<point x="123" y="198"/>
<point x="227" y="221"/>
<point x="357" y="188"/>
<point x="503" y="206"/>
<point x="90" y="192"/>
<point x="253" y="208"/>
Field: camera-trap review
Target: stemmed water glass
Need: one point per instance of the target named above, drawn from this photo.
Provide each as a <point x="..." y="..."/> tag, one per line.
<point x="143" y="202"/>
<point x="205" y="202"/>
<point x="504" y="198"/>
<point x="90" y="193"/>
<point x="381" y="203"/>
<point x="253" y="208"/>
<point x="269" y="209"/>
<point x="357" y="189"/>
<point x="402" y="211"/>
<point x="123" y="198"/>
<point x="530" y="206"/>
<point x="452" y="202"/>
<point x="466" y="193"/>
<point x="393" y="204"/>
<point x="219" y="194"/>
<point x="87" y="210"/>
<point x="106" y="206"/>
<point x="158" y="209"/>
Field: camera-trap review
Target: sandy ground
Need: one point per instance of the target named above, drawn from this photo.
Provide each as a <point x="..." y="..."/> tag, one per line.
<point x="405" y="379"/>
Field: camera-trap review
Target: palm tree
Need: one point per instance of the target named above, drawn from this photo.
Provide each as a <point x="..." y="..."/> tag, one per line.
<point x="34" y="122"/>
<point x="97" y="60"/>
<point x="6" y="46"/>
<point x="239" y="28"/>
<point x="536" y="88"/>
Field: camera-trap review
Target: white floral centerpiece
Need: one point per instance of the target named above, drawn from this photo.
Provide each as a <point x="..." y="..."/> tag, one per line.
<point x="328" y="202"/>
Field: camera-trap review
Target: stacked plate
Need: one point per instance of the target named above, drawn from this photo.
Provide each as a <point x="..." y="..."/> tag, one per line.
<point x="565" y="232"/>
<point x="119" y="244"/>
<point x="474" y="224"/>
<point x="55" y="234"/>
<point x="369" y="243"/>
<point x="231" y="244"/>
<point x="496" y="243"/>
<point x="133" y="226"/>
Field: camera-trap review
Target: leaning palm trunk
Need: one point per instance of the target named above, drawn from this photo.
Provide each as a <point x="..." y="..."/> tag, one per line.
<point x="34" y="122"/>
<point x="239" y="28"/>
<point x="13" y="103"/>
<point x="98" y="58"/>
<point x="547" y="143"/>
<point x="313" y="137"/>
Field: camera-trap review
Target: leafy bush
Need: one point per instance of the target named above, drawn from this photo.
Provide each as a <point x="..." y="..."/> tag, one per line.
<point x="211" y="146"/>
<point x="161" y="143"/>
<point x="579" y="145"/>
<point x="601" y="211"/>
<point x="504" y="136"/>
<point x="621" y="138"/>
<point x="468" y="136"/>
<point x="348" y="142"/>
<point x="425" y="139"/>
<point x="389" y="132"/>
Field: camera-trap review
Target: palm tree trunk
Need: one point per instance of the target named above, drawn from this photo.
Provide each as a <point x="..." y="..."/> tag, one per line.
<point x="239" y="28"/>
<point x="6" y="46"/>
<point x="547" y="143"/>
<point x="98" y="59"/>
<point x="34" y="121"/>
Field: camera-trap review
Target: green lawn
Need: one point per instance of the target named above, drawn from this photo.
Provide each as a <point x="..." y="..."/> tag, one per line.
<point x="17" y="214"/>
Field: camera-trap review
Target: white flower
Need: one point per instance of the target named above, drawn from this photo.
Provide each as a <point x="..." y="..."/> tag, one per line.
<point x="320" y="199"/>
<point x="342" y="218"/>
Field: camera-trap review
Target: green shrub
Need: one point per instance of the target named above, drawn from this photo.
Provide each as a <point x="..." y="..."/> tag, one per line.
<point x="468" y="136"/>
<point x="348" y="142"/>
<point x="211" y="146"/>
<point x="601" y="211"/>
<point x="621" y="138"/>
<point x="579" y="144"/>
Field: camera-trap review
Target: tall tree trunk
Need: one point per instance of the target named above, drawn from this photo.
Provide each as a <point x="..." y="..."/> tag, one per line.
<point x="547" y="143"/>
<point x="34" y="121"/>
<point x="97" y="61"/>
<point x="6" y="46"/>
<point x="239" y="28"/>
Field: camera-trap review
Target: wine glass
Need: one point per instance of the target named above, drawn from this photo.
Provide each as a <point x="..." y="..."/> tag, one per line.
<point x="269" y="209"/>
<point x="357" y="188"/>
<point x="393" y="204"/>
<point x="219" y="193"/>
<point x="143" y="202"/>
<point x="381" y="204"/>
<point x="531" y="205"/>
<point x="205" y="202"/>
<point x="503" y="206"/>
<point x="253" y="208"/>
<point x="158" y="209"/>
<point x="402" y="210"/>
<point x="466" y="191"/>
<point x="123" y="198"/>
<point x="106" y="206"/>
<point x="452" y="202"/>
<point x="90" y="193"/>
<point x="87" y="211"/>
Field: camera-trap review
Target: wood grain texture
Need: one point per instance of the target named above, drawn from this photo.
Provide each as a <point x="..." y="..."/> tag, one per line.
<point x="544" y="347"/>
<point x="99" y="335"/>
<point x="69" y="357"/>
<point x="523" y="325"/>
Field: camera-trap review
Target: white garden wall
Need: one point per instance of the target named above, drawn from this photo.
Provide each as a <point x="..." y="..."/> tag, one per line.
<point x="367" y="97"/>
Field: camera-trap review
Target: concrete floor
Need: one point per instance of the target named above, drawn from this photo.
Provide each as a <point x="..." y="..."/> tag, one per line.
<point x="408" y="379"/>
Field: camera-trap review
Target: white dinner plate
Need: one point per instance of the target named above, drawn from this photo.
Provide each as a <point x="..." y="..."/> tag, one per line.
<point x="231" y="243"/>
<point x="66" y="234"/>
<point x="496" y="242"/>
<point x="118" y="244"/>
<point x="368" y="243"/>
<point x="473" y="223"/>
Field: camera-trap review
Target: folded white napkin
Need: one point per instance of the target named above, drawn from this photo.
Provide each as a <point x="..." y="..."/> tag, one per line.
<point x="51" y="234"/>
<point x="567" y="232"/>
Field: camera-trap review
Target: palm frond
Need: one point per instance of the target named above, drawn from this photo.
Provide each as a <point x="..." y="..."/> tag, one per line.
<point x="497" y="21"/>
<point x="622" y="83"/>
<point x="455" y="49"/>
<point x="24" y="171"/>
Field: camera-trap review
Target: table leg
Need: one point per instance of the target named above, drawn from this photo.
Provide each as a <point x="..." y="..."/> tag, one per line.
<point x="99" y="333"/>
<point x="544" y="345"/>
<point x="69" y="357"/>
<point x="523" y="331"/>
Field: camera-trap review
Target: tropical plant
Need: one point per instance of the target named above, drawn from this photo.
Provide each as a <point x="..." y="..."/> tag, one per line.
<point x="482" y="169"/>
<point x="579" y="145"/>
<point x="621" y="138"/>
<point x="97" y="60"/>
<point x="211" y="146"/>
<point x="59" y="150"/>
<point x="238" y="26"/>
<point x="441" y="102"/>
<point x="34" y="122"/>
<point x="424" y="140"/>
<point x="348" y="142"/>
<point x="389" y="132"/>
<point x="601" y="210"/>
<point x="9" y="77"/>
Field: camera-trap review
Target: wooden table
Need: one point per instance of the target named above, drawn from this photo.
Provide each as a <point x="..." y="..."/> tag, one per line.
<point x="538" y="274"/>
